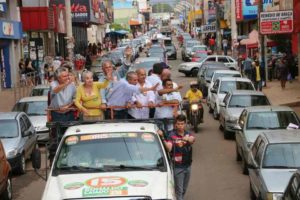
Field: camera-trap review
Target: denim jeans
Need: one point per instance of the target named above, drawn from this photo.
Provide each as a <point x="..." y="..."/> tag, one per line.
<point x="182" y="177"/>
<point x="258" y="85"/>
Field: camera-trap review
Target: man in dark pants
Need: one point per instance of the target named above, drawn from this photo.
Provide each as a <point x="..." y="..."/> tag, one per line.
<point x="179" y="143"/>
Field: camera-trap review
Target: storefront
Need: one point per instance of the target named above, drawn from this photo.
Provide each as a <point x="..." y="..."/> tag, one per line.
<point x="10" y="34"/>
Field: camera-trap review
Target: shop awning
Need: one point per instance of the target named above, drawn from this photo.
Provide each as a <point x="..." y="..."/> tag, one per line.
<point x="253" y="39"/>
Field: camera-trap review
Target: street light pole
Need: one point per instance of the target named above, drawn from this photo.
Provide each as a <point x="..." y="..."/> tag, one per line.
<point x="218" y="27"/>
<point x="70" y="39"/>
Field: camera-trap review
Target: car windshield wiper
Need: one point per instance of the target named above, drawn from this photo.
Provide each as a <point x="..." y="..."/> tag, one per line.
<point x="237" y="106"/>
<point x="257" y="127"/>
<point x="80" y="169"/>
<point x="124" y="167"/>
<point x="35" y="114"/>
<point x="8" y="136"/>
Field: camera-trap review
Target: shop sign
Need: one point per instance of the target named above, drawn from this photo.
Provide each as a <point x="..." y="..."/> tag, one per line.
<point x="239" y="10"/>
<point x="3" y="6"/>
<point x="250" y="8"/>
<point x="276" y="22"/>
<point x="208" y="28"/>
<point x="11" y="30"/>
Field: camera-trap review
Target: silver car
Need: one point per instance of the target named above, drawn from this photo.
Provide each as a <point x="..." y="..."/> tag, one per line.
<point x="35" y="107"/>
<point x="292" y="190"/>
<point x="256" y="119"/>
<point x="234" y="103"/>
<point x="18" y="137"/>
<point x="273" y="159"/>
<point x="40" y="90"/>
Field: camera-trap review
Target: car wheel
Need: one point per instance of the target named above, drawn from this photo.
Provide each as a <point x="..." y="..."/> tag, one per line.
<point x="252" y="194"/>
<point x="226" y="135"/>
<point x="215" y="113"/>
<point x="210" y="110"/>
<point x="7" y="194"/>
<point x="194" y="72"/>
<point x="187" y="74"/>
<point x="238" y="156"/>
<point x="22" y="165"/>
<point x="244" y="167"/>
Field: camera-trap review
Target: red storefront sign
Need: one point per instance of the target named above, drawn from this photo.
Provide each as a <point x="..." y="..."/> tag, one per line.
<point x="276" y="22"/>
<point x="297" y="16"/>
<point x="239" y="10"/>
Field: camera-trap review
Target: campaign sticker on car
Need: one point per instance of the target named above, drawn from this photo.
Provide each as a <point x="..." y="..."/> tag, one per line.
<point x="71" y="140"/>
<point x="73" y="186"/>
<point x="147" y="137"/>
<point x="105" y="186"/>
<point x="138" y="183"/>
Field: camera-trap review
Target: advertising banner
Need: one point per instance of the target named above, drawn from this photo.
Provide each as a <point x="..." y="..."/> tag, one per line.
<point x="208" y="29"/>
<point x="250" y="7"/>
<point x="276" y="22"/>
<point x="239" y="10"/>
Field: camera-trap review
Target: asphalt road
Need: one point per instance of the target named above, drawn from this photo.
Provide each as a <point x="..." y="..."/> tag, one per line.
<point x="215" y="173"/>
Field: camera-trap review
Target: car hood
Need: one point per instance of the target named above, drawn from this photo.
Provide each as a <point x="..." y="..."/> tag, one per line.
<point x="276" y="180"/>
<point x="251" y="135"/>
<point x="38" y="121"/>
<point x="10" y="144"/>
<point x="154" y="184"/>
<point x="235" y="112"/>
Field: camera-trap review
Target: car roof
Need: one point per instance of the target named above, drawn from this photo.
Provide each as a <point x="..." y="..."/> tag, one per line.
<point x="111" y="128"/>
<point x="9" y="115"/>
<point x="282" y="136"/>
<point x="41" y="86"/>
<point x="34" y="98"/>
<point x="234" y="79"/>
<point x="227" y="71"/>
<point x="212" y="64"/>
<point x="199" y="45"/>
<point x="243" y="92"/>
<point x="190" y="64"/>
<point x="268" y="108"/>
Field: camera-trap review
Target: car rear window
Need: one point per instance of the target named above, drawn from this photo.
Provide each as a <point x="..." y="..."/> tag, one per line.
<point x="248" y="100"/>
<point x="227" y="86"/>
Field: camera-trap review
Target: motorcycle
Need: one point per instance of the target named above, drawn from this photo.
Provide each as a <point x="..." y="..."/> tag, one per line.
<point x="194" y="111"/>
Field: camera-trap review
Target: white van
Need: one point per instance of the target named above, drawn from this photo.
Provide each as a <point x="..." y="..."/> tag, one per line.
<point x="111" y="161"/>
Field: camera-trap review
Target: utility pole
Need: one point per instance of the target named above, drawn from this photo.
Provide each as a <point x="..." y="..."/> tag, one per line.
<point x="233" y="29"/>
<point x="70" y="39"/>
<point x="298" y="56"/>
<point x="261" y="41"/>
<point x="218" y="27"/>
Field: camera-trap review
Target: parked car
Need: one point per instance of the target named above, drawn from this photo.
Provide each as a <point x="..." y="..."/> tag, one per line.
<point x="19" y="139"/>
<point x="35" y="108"/>
<point x="186" y="52"/>
<point x="146" y="63"/>
<point x="254" y="120"/>
<point x="199" y="48"/>
<point x="227" y="60"/>
<point x="189" y="68"/>
<point x="171" y="52"/>
<point x="224" y="85"/>
<point x="292" y="190"/>
<point x="204" y="75"/>
<point x="217" y="74"/>
<point x="198" y="56"/>
<point x="40" y="90"/>
<point x="234" y="103"/>
<point x="157" y="52"/>
<point x="5" y="174"/>
<point x="273" y="159"/>
<point x="111" y="160"/>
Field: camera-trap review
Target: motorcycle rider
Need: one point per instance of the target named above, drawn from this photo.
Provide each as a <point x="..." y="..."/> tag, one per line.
<point x="194" y="95"/>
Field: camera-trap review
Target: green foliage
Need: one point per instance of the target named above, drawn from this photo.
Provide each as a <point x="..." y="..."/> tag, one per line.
<point x="162" y="7"/>
<point x="118" y="27"/>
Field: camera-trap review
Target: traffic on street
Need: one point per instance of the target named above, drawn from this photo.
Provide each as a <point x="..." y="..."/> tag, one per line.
<point x="165" y="111"/>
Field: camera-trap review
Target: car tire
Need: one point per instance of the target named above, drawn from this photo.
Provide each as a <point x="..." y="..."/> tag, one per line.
<point x="194" y="72"/>
<point x="226" y="135"/>
<point x="238" y="156"/>
<point x="244" y="167"/>
<point x="210" y="110"/>
<point x="215" y="113"/>
<point x="22" y="165"/>
<point x="187" y="74"/>
<point x="252" y="194"/>
<point x="7" y="194"/>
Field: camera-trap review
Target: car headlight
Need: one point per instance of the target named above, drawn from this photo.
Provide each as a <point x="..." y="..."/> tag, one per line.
<point x="12" y="153"/>
<point x="249" y="144"/>
<point x="274" y="196"/>
<point x="194" y="107"/>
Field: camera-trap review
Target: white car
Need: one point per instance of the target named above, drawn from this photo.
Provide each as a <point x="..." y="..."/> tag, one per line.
<point x="40" y="90"/>
<point x="221" y="73"/>
<point x="221" y="87"/>
<point x="189" y="68"/>
<point x="111" y="161"/>
<point x="35" y="107"/>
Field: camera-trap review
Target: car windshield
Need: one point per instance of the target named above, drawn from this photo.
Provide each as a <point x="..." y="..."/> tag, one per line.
<point x="156" y="50"/>
<point x="218" y="75"/>
<point x="282" y="156"/>
<point x="110" y="152"/>
<point x="271" y="120"/>
<point x="199" y="48"/>
<point x="8" y="128"/>
<point x="210" y="72"/>
<point x="227" y="86"/>
<point x="32" y="108"/>
<point x="191" y="44"/>
<point x="146" y="65"/>
<point x="241" y="101"/>
<point x="40" y="91"/>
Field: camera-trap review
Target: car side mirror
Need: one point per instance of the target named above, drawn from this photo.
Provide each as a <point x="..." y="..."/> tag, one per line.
<point x="213" y="91"/>
<point x="237" y="128"/>
<point x="222" y="104"/>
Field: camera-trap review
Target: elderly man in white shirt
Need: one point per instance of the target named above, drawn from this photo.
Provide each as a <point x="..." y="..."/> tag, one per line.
<point x="142" y="99"/>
